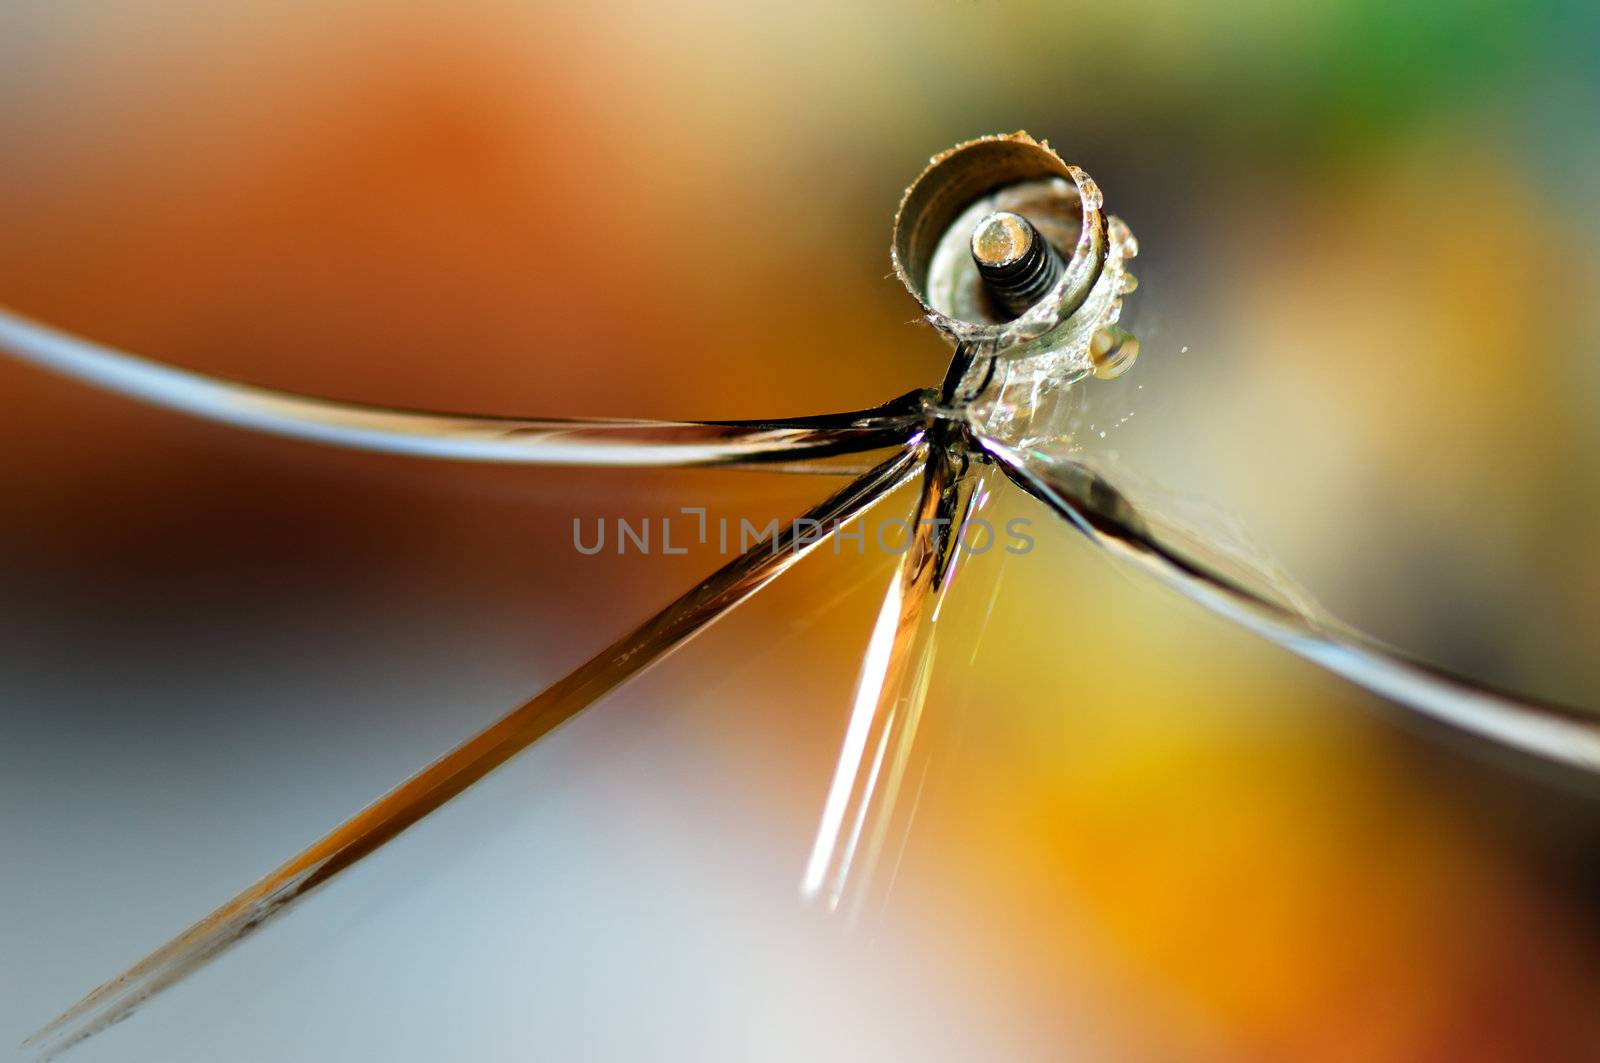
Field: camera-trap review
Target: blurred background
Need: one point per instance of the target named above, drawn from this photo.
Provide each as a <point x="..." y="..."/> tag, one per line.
<point x="1368" y="319"/>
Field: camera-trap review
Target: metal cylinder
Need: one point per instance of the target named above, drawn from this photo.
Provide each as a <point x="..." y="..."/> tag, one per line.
<point x="962" y="187"/>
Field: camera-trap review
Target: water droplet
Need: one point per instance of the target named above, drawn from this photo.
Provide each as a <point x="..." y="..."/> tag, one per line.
<point x="1113" y="350"/>
<point x="1093" y="199"/>
<point x="1123" y="242"/>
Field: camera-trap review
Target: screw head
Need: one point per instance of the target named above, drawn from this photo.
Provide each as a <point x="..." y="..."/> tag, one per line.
<point x="1001" y="239"/>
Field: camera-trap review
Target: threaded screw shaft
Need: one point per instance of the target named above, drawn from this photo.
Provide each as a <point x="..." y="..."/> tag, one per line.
<point x="1018" y="266"/>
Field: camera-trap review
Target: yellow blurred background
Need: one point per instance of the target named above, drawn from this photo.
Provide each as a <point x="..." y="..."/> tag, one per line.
<point x="1368" y="262"/>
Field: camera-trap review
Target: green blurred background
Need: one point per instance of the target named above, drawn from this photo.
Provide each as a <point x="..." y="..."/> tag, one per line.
<point x="1368" y="319"/>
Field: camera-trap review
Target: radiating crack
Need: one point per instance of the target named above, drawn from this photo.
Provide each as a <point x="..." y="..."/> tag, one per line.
<point x="469" y="762"/>
<point x="793" y="444"/>
<point x="1095" y="507"/>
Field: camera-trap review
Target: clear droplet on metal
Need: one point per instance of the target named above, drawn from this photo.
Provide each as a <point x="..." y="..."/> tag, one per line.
<point x="1123" y="243"/>
<point x="1113" y="350"/>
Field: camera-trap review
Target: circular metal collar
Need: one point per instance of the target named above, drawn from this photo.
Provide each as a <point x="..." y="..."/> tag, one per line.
<point x="931" y="249"/>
